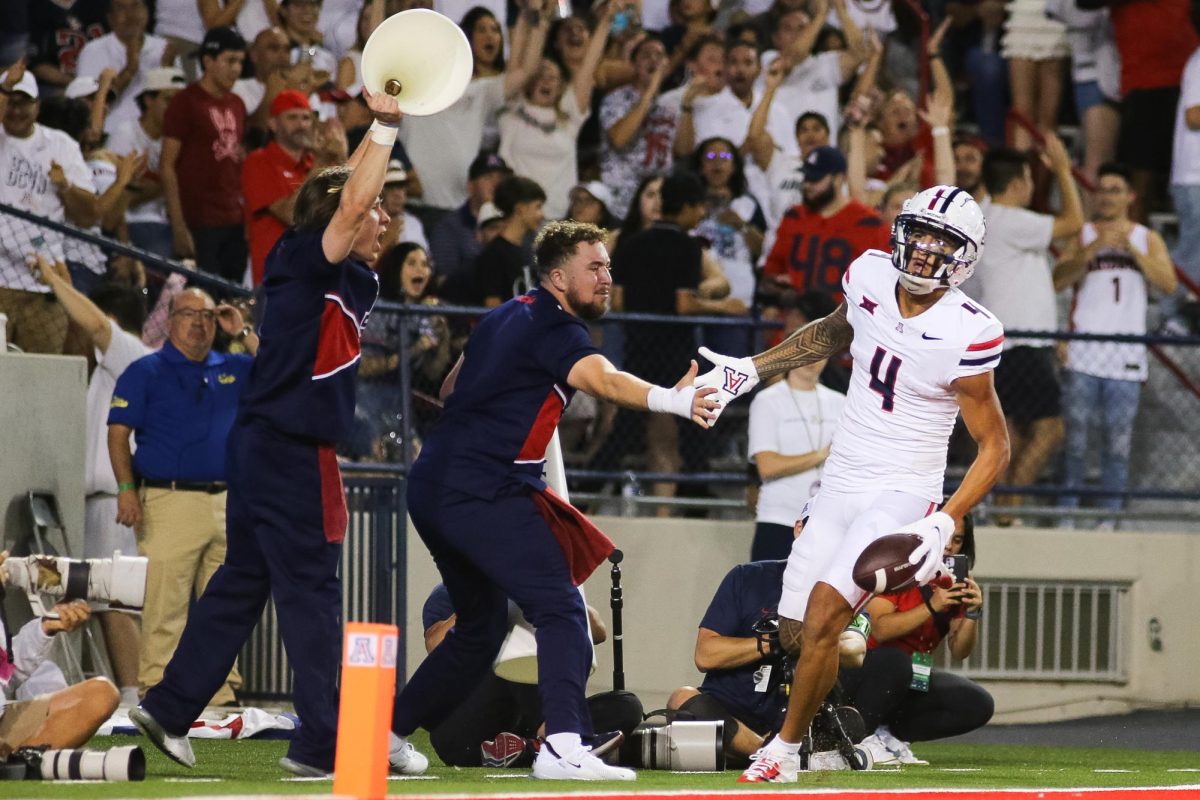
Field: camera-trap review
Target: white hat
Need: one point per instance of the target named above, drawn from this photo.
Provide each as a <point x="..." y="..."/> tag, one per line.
<point x="27" y="84"/>
<point x="395" y="172"/>
<point x="488" y="212"/>
<point x="82" y="86"/>
<point x="599" y="191"/>
<point x="162" y="78"/>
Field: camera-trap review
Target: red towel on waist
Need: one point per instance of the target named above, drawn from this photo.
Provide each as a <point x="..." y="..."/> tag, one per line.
<point x="584" y="545"/>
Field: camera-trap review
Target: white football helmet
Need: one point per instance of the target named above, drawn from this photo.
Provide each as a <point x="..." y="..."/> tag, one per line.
<point x="949" y="213"/>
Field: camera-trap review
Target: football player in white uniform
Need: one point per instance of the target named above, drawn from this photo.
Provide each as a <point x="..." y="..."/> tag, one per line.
<point x="923" y="352"/>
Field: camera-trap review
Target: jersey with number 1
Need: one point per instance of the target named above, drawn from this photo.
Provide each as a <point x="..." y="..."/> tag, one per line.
<point x="901" y="406"/>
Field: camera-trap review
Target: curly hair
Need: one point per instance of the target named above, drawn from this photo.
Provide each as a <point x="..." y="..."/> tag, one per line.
<point x="557" y="242"/>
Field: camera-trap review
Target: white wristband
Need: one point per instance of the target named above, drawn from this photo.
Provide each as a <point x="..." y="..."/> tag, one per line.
<point x="940" y="130"/>
<point x="382" y="133"/>
<point x="662" y="400"/>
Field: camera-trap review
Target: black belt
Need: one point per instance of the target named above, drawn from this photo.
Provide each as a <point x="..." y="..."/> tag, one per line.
<point x="216" y="487"/>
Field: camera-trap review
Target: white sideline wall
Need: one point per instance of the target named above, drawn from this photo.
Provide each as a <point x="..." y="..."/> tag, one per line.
<point x="42" y="439"/>
<point x="672" y="568"/>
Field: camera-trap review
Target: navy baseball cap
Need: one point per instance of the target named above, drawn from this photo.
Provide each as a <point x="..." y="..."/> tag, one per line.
<point x="485" y="163"/>
<point x="218" y="40"/>
<point x="824" y="161"/>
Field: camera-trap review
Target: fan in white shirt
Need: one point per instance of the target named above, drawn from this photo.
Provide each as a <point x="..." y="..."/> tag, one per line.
<point x="130" y="50"/>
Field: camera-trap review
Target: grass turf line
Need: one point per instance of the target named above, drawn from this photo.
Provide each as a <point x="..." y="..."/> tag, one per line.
<point x="251" y="768"/>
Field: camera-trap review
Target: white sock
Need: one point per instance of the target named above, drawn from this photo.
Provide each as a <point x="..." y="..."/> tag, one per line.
<point x="564" y="743"/>
<point x="396" y="742"/>
<point x="129" y="696"/>
<point x="779" y="745"/>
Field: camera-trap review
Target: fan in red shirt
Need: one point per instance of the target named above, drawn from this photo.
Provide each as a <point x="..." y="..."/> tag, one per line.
<point x="272" y="175"/>
<point x="818" y="238"/>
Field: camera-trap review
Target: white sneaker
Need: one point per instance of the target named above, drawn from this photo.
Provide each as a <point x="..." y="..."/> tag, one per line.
<point x="904" y="755"/>
<point x="580" y="765"/>
<point x="879" y="750"/>
<point x="826" y="761"/>
<point x="176" y="748"/>
<point x="771" y="766"/>
<point x="403" y="758"/>
<point x="900" y="749"/>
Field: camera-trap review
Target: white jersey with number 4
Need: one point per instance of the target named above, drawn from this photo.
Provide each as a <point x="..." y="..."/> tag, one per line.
<point x="901" y="408"/>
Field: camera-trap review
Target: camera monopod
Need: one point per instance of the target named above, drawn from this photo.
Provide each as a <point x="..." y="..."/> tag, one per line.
<point x="616" y="602"/>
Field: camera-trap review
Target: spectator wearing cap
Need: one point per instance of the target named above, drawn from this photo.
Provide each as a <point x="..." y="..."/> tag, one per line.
<point x="130" y="50"/>
<point x="503" y="267"/>
<point x="455" y="242"/>
<point x="819" y="237"/>
<point x="46" y="175"/>
<point x="99" y="96"/>
<point x="202" y="151"/>
<point x="272" y="175"/>
<point x="146" y="216"/>
<point x="592" y="202"/>
<point x="403" y="226"/>
<point x="491" y="220"/>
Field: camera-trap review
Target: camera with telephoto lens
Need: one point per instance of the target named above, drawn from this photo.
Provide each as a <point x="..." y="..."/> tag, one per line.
<point x="118" y="764"/>
<point x="119" y="581"/>
<point x="681" y="746"/>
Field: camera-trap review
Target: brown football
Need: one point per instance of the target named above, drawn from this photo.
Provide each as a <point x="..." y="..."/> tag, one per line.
<point x="883" y="566"/>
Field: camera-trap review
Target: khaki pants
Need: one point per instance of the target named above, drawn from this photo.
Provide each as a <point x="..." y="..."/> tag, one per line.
<point x="37" y="323"/>
<point x="183" y="536"/>
<point x="21" y="720"/>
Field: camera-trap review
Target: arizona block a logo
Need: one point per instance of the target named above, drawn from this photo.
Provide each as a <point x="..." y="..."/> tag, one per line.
<point x="734" y="380"/>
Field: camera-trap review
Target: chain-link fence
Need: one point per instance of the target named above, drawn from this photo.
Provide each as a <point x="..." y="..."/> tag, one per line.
<point x="1105" y="427"/>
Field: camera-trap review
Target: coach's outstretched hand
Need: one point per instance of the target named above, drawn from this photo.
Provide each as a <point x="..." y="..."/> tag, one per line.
<point x="685" y="399"/>
<point x="731" y="378"/>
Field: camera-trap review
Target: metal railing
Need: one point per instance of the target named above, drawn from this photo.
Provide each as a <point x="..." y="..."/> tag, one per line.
<point x="1050" y="631"/>
<point x="374" y="581"/>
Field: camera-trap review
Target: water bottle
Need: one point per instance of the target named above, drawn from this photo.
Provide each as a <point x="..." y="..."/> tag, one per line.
<point x="630" y="491"/>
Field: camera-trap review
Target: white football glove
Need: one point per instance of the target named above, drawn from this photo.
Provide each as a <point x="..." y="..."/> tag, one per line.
<point x="731" y="377"/>
<point x="935" y="532"/>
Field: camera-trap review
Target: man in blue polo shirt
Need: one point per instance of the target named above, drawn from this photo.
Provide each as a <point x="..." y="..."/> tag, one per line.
<point x="496" y="531"/>
<point x="287" y="508"/>
<point x="180" y="404"/>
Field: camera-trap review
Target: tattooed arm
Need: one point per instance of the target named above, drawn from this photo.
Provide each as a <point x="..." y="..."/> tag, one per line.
<point x="818" y="339"/>
<point x="734" y="377"/>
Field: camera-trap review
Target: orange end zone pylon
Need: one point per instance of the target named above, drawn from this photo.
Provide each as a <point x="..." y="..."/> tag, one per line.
<point x="365" y="716"/>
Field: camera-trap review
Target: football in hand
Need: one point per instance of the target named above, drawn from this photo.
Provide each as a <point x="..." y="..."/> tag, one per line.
<point x="883" y="566"/>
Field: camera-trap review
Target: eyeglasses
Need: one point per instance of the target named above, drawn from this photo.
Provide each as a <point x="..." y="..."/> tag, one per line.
<point x="724" y="155"/>
<point x="206" y="315"/>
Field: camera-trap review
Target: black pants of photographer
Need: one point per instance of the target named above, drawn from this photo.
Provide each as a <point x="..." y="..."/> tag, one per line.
<point x="880" y="690"/>
<point x="498" y="705"/>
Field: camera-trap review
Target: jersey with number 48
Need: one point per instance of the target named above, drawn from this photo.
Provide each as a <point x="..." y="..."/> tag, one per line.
<point x="901" y="407"/>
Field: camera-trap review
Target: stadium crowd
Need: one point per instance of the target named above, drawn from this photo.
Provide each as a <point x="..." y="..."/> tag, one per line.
<point x="762" y="145"/>
<point x="741" y="153"/>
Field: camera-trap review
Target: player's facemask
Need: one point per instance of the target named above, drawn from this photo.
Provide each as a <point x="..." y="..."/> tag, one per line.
<point x="928" y="257"/>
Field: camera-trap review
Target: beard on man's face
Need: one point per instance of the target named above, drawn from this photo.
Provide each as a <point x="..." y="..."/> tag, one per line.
<point x="820" y="200"/>
<point x="591" y="310"/>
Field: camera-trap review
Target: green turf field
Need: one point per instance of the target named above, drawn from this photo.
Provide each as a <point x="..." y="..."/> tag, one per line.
<point x="249" y="768"/>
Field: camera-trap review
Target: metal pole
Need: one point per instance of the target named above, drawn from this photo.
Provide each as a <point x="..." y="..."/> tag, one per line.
<point x="407" y="428"/>
<point x="617" y="603"/>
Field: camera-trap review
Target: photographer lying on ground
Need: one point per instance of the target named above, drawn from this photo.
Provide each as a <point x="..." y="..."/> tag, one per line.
<point x="900" y="696"/>
<point x="37" y="707"/>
